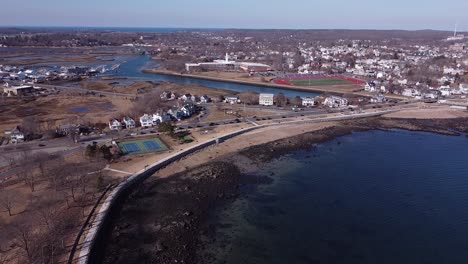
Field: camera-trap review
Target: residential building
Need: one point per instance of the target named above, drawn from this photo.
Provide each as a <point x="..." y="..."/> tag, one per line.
<point x="176" y="114"/>
<point x="146" y="120"/>
<point x="159" y="118"/>
<point x="16" y="136"/>
<point x="128" y="122"/>
<point x="67" y="129"/>
<point x="308" y="101"/>
<point x="335" y="101"/>
<point x="115" y="124"/>
<point x="168" y="96"/>
<point x="232" y="99"/>
<point x="188" y="109"/>
<point x="205" y="99"/>
<point x="266" y="99"/>
<point x="187" y="98"/>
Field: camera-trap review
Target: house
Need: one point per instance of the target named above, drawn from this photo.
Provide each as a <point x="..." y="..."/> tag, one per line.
<point x="445" y="92"/>
<point x="115" y="124"/>
<point x="266" y="99"/>
<point x="335" y="101"/>
<point x="67" y="129"/>
<point x="308" y="101"/>
<point x="188" y="109"/>
<point x="410" y="92"/>
<point x="370" y="87"/>
<point x="205" y="99"/>
<point x="128" y="122"/>
<point x="232" y="99"/>
<point x="159" y="118"/>
<point x="16" y="136"/>
<point x="464" y="88"/>
<point x="146" y="120"/>
<point x="176" y="114"/>
<point x="188" y="97"/>
<point x="380" y="98"/>
<point x="168" y="96"/>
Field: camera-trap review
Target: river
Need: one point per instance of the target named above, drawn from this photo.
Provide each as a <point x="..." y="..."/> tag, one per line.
<point x="131" y="67"/>
<point x="369" y="197"/>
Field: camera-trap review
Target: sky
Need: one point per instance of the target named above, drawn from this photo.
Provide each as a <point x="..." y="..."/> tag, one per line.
<point x="294" y="14"/>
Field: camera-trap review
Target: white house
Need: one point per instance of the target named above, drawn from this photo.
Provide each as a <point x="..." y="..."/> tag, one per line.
<point x="168" y="96"/>
<point x="128" y="122"/>
<point x="335" y="101"/>
<point x="176" y="113"/>
<point x="188" y="97"/>
<point x="266" y="99"/>
<point x="115" y="124"/>
<point x="188" y="109"/>
<point x="445" y="92"/>
<point x="308" y="101"/>
<point x="146" y="120"/>
<point x="205" y="99"/>
<point x="16" y="135"/>
<point x="464" y="88"/>
<point x="232" y="99"/>
<point x="159" y="118"/>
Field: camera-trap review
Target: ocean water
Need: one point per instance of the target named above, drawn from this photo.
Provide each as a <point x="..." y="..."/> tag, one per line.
<point x="369" y="197"/>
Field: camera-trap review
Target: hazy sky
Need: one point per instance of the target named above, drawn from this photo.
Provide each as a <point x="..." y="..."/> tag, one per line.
<point x="343" y="14"/>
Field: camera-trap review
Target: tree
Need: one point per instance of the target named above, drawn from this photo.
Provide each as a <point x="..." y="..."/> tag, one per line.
<point x="7" y="201"/>
<point x="30" y="126"/>
<point x="25" y="239"/>
<point x="296" y="101"/>
<point x="280" y="99"/>
<point x="166" y="127"/>
<point x="248" y="97"/>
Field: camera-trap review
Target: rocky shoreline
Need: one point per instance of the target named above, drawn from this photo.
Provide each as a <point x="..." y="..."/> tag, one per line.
<point x="163" y="220"/>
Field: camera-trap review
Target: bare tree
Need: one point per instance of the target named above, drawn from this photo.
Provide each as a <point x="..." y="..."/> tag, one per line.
<point x="280" y="99"/>
<point x="7" y="201"/>
<point x="25" y="239"/>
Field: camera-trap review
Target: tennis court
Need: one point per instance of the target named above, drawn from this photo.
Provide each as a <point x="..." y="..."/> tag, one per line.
<point x="142" y="146"/>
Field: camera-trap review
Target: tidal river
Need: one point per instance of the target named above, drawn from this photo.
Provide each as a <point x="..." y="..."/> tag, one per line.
<point x="369" y="197"/>
<point x="132" y="68"/>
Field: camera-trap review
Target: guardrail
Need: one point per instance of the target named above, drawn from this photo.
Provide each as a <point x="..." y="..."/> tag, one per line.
<point x="97" y="232"/>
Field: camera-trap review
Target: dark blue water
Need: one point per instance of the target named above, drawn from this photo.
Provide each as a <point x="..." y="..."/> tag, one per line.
<point x="370" y="197"/>
<point x="133" y="65"/>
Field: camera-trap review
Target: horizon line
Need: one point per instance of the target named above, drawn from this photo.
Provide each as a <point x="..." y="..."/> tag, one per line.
<point x="218" y="28"/>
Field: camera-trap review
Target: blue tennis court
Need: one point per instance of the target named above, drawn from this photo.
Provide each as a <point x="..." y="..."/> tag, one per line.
<point x="142" y="146"/>
<point x="151" y="145"/>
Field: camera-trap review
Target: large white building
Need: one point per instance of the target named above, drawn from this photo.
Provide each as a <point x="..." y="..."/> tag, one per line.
<point x="265" y="99"/>
<point x="308" y="101"/>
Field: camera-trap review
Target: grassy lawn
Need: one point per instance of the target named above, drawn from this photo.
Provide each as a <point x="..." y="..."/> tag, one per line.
<point x="326" y="81"/>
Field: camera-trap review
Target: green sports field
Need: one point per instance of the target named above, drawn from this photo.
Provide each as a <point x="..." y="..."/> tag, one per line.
<point x="142" y="146"/>
<point x="320" y="81"/>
